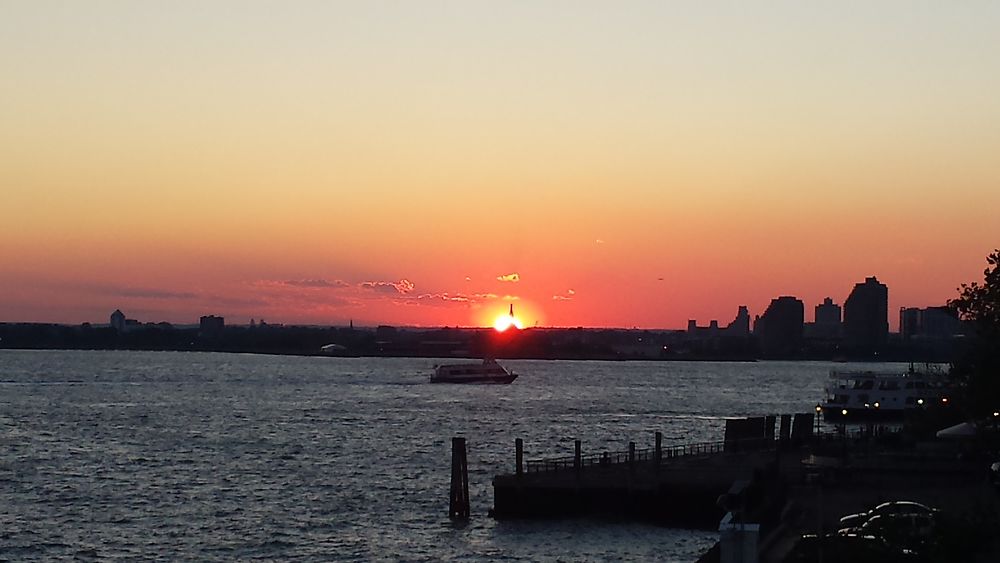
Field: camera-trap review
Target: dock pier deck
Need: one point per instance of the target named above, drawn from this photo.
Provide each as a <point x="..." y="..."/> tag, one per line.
<point x="677" y="486"/>
<point x="763" y="493"/>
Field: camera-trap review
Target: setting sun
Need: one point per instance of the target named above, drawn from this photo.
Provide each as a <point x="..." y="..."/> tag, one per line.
<point x="508" y="320"/>
<point x="504" y="322"/>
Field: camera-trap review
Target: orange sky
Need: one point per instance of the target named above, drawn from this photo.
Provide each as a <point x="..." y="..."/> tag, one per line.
<point x="637" y="165"/>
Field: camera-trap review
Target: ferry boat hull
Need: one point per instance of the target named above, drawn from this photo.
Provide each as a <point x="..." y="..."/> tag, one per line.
<point x="838" y="413"/>
<point x="501" y="380"/>
<point x="876" y="396"/>
<point x="488" y="372"/>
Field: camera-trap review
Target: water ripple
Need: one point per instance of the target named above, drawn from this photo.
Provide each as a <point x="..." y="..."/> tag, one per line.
<point x="220" y="457"/>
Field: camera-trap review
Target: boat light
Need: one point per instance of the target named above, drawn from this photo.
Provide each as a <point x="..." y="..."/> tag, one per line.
<point x="944" y="400"/>
<point x="920" y="401"/>
<point x="996" y="414"/>
<point x="843" y="412"/>
<point x="876" y="405"/>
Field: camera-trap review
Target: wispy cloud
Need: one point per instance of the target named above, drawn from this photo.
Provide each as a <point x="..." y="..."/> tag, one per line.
<point x="514" y="277"/>
<point x="450" y="297"/>
<point x="128" y="291"/>
<point x="402" y="287"/>
<point x="564" y="296"/>
<point x="147" y="293"/>
<point x="317" y="283"/>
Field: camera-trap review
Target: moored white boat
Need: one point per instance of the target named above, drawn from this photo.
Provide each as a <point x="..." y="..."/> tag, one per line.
<point x="875" y="395"/>
<point x="489" y="371"/>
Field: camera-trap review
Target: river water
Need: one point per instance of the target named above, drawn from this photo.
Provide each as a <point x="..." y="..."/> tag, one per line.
<point x="197" y="456"/>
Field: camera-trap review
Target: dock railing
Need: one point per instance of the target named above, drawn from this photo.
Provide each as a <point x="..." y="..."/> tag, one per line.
<point x="569" y="463"/>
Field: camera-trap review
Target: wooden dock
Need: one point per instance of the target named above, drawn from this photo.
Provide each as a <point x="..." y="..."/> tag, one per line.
<point x="681" y="486"/>
<point x="763" y="492"/>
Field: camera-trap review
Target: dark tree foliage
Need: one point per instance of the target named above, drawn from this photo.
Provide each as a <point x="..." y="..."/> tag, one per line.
<point x="980" y="304"/>
<point x="980" y="368"/>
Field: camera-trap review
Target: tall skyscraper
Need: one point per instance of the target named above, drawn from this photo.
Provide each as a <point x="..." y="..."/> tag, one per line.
<point x="779" y="329"/>
<point x="866" y="317"/>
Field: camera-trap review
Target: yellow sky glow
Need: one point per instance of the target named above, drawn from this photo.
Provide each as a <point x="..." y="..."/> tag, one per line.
<point x="636" y="165"/>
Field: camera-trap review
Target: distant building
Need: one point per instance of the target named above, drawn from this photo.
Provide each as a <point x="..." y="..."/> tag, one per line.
<point x="386" y="333"/>
<point x="211" y="326"/>
<point x="866" y="317"/>
<point x="118" y="320"/>
<point x="828" y="313"/>
<point x="929" y="323"/>
<point x="779" y="330"/>
<point x="827" y="323"/>
<point x="741" y="324"/>
<point x="712" y="341"/>
<point x="739" y="327"/>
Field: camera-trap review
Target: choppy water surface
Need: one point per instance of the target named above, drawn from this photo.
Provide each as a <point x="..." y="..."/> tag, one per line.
<point x="224" y="457"/>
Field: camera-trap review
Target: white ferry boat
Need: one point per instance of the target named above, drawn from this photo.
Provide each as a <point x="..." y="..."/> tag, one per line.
<point x="874" y="395"/>
<point x="489" y="371"/>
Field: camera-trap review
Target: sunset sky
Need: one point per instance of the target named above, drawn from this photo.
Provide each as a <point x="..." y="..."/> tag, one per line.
<point x="427" y="163"/>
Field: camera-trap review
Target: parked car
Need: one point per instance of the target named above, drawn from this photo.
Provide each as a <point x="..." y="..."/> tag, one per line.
<point x="900" y="529"/>
<point x="902" y="507"/>
<point x="854" y="521"/>
<point x="849" y="548"/>
<point x="871" y="521"/>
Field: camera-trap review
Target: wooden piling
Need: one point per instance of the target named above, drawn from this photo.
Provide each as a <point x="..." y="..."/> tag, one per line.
<point x="459" y="498"/>
<point x="631" y="456"/>
<point x="769" y="426"/>
<point x="658" y="452"/>
<point x="785" y="429"/>
<point x="519" y="455"/>
<point x="577" y="456"/>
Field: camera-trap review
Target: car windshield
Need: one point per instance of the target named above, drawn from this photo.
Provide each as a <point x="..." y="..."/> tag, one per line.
<point x="902" y="507"/>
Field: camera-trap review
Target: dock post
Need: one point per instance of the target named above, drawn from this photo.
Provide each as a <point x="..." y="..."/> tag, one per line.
<point x="519" y="456"/>
<point x="459" y="501"/>
<point x="577" y="457"/>
<point x="784" y="430"/>
<point x="631" y="456"/>
<point x="658" y="452"/>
